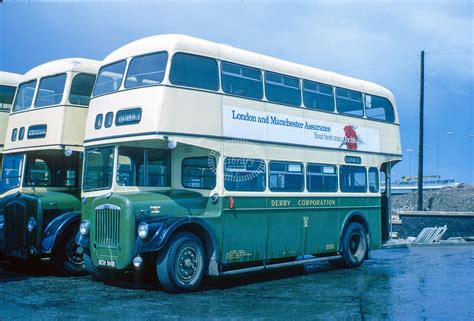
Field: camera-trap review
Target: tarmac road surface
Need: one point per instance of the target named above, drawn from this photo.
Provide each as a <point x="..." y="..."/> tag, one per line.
<point x="421" y="283"/>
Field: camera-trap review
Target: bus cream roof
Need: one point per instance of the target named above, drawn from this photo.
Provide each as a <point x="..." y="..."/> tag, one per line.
<point x="63" y="65"/>
<point x="9" y="78"/>
<point x="176" y="43"/>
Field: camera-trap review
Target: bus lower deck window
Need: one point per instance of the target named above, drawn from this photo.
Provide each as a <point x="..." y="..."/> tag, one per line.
<point x="199" y="172"/>
<point x="286" y="177"/>
<point x="321" y="178"/>
<point x="373" y="180"/>
<point x="353" y="179"/>
<point x="244" y="174"/>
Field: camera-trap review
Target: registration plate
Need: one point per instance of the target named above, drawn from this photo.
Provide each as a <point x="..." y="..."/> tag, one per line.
<point x="106" y="263"/>
<point x="16" y="253"/>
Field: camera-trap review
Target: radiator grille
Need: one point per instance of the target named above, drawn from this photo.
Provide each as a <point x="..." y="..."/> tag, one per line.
<point x="15" y="225"/>
<point x="107" y="226"/>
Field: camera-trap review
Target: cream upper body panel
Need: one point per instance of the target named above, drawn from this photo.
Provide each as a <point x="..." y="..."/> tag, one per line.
<point x="6" y="79"/>
<point x="168" y="110"/>
<point x="57" y="126"/>
<point x="10" y="78"/>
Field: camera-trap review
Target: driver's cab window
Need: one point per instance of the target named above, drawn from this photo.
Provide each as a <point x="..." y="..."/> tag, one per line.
<point x="143" y="167"/>
<point x="56" y="169"/>
<point x="38" y="173"/>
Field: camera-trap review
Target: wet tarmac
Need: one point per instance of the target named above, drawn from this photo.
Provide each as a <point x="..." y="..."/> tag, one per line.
<point x="421" y="283"/>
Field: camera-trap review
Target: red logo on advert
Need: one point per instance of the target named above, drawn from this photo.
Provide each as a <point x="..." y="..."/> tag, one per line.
<point x="350" y="137"/>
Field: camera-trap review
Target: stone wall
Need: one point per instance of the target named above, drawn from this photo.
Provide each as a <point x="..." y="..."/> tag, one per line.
<point x="413" y="222"/>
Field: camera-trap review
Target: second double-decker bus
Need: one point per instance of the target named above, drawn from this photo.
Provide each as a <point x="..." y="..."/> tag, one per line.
<point x="203" y="159"/>
<point x="8" y="83"/>
<point x="40" y="181"/>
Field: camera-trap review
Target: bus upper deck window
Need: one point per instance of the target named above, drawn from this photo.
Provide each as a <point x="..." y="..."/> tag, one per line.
<point x="318" y="96"/>
<point x="349" y="102"/>
<point x="7" y="93"/>
<point x="146" y="70"/>
<point x="50" y="91"/>
<point x="24" y="96"/>
<point x="109" y="78"/>
<point x="379" y="108"/>
<point x="194" y="71"/>
<point x="81" y="89"/>
<point x="282" y="89"/>
<point x="241" y="80"/>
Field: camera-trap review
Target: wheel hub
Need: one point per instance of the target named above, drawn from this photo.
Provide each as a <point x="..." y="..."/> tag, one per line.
<point x="187" y="264"/>
<point x="74" y="253"/>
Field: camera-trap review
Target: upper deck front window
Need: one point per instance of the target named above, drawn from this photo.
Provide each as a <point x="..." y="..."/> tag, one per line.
<point x="146" y="70"/>
<point x="11" y="172"/>
<point x="7" y="93"/>
<point x="110" y="78"/>
<point x="24" y="96"/>
<point x="81" y="89"/>
<point x="50" y="91"/>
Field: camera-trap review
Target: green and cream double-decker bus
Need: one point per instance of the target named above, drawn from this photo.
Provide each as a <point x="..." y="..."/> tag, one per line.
<point x="203" y="159"/>
<point x="8" y="83"/>
<point x="42" y="165"/>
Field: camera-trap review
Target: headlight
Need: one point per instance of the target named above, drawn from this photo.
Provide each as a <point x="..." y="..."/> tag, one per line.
<point x="84" y="228"/>
<point x="143" y="230"/>
<point x="31" y="224"/>
<point x="2" y="221"/>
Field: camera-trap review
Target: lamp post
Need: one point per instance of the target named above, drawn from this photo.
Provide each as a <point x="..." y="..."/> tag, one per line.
<point x="437" y="150"/>
<point x="409" y="151"/>
<point x="472" y="171"/>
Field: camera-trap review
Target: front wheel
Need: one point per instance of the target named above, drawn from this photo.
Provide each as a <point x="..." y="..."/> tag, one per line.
<point x="67" y="257"/>
<point x="180" y="266"/>
<point x="93" y="271"/>
<point x="354" y="247"/>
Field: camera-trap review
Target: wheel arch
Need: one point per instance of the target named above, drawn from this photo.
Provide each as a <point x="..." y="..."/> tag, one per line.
<point x="56" y="228"/>
<point x="355" y="216"/>
<point x="211" y="248"/>
<point x="164" y="228"/>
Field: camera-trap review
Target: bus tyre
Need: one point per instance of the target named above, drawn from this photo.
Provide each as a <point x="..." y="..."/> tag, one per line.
<point x="354" y="247"/>
<point x="180" y="266"/>
<point x="93" y="271"/>
<point x="67" y="256"/>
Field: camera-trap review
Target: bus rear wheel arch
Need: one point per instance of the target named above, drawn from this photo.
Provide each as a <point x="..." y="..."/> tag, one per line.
<point x="180" y="266"/>
<point x="354" y="246"/>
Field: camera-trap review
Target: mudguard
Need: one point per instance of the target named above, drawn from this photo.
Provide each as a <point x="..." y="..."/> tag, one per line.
<point x="161" y="229"/>
<point x="56" y="227"/>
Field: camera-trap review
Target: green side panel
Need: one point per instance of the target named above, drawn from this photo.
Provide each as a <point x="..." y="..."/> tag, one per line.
<point x="286" y="233"/>
<point x="322" y="233"/>
<point x="244" y="237"/>
<point x="291" y="225"/>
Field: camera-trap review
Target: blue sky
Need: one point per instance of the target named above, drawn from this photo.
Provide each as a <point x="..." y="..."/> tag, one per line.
<point x="379" y="41"/>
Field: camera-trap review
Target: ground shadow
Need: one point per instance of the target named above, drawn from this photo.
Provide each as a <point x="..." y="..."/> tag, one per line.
<point x="148" y="281"/>
<point x="13" y="271"/>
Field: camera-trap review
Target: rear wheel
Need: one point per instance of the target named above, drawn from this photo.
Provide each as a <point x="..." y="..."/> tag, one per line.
<point x="67" y="256"/>
<point x="180" y="266"/>
<point x="354" y="247"/>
